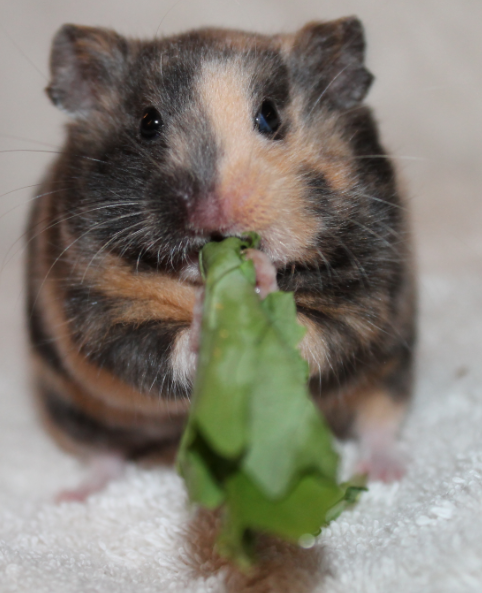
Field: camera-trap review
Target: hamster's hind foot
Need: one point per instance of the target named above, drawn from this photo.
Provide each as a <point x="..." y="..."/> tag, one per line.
<point x="102" y="469"/>
<point x="387" y="465"/>
<point x="377" y="425"/>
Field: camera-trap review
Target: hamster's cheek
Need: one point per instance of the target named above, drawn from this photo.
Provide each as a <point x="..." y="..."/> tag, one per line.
<point x="260" y="193"/>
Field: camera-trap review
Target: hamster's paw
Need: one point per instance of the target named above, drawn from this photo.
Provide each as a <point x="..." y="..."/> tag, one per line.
<point x="265" y="272"/>
<point x="377" y="426"/>
<point x="102" y="469"/>
<point x="383" y="465"/>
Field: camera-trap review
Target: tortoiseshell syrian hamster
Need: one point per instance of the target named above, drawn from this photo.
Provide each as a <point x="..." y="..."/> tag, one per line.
<point x="178" y="141"/>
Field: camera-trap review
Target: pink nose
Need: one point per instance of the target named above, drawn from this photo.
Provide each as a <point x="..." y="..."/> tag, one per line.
<point x="208" y="215"/>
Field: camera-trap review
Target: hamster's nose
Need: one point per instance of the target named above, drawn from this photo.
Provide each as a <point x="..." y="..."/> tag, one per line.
<point x="207" y="215"/>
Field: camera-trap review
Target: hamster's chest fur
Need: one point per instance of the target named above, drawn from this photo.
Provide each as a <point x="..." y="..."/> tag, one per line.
<point x="178" y="141"/>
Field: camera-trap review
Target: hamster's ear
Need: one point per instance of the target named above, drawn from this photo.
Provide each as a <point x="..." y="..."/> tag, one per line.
<point x="327" y="63"/>
<point x="84" y="62"/>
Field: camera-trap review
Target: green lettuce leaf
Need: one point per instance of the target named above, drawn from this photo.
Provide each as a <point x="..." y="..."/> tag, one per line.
<point x="255" y="443"/>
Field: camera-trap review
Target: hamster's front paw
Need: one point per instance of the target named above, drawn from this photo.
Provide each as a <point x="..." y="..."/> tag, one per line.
<point x="265" y="272"/>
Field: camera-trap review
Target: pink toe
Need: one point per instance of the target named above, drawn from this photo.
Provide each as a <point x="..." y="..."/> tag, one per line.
<point x="383" y="467"/>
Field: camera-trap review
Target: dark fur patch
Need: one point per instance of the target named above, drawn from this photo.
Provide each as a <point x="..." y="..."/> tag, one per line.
<point x="43" y="343"/>
<point x="138" y="354"/>
<point x="371" y="160"/>
<point x="131" y="441"/>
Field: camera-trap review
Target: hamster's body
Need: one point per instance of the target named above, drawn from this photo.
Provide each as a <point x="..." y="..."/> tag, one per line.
<point x="177" y="141"/>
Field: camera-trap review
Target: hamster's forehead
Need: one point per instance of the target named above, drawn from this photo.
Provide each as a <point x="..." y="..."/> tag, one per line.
<point x="219" y="45"/>
<point x="174" y="71"/>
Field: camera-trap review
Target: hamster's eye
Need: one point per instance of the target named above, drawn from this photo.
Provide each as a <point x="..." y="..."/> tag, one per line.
<point x="267" y="120"/>
<point x="151" y="124"/>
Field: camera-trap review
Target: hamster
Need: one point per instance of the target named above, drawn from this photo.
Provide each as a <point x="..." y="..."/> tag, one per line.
<point x="178" y="141"/>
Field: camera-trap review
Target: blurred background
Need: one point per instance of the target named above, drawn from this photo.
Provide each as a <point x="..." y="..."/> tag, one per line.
<point x="426" y="56"/>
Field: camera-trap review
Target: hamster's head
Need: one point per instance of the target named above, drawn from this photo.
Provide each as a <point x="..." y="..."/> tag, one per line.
<point x="178" y="141"/>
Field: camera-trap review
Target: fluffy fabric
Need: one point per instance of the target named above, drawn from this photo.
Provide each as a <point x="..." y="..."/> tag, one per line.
<point x="422" y="534"/>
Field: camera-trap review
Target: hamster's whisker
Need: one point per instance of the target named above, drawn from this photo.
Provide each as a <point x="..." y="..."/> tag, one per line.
<point x="37" y="150"/>
<point x="329" y="267"/>
<point x="25" y="233"/>
<point x="62" y="253"/>
<point x="390" y="157"/>
<point x="170" y="391"/>
<point x="166" y="14"/>
<point x="60" y="220"/>
<point x="29" y="200"/>
<point x="130" y="239"/>
<point x="113" y="239"/>
<point x="360" y="194"/>
<point x="377" y="235"/>
<point x="32" y="198"/>
<point x="12" y="191"/>
<point x="356" y="261"/>
<point x="139" y="257"/>
<point x="159" y="256"/>
<point x="12" y="137"/>
<point x="142" y="150"/>
<point x="23" y="54"/>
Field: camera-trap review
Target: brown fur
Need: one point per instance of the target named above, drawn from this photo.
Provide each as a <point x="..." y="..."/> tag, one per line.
<point x="111" y="306"/>
<point x="163" y="419"/>
<point x="351" y="412"/>
<point x="98" y="383"/>
<point x="146" y="296"/>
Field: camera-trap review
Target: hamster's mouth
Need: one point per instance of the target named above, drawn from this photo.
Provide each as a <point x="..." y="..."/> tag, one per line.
<point x="200" y="240"/>
<point x="190" y="270"/>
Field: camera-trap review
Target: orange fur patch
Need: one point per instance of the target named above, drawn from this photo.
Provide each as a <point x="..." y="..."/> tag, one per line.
<point x="258" y="187"/>
<point x="376" y="409"/>
<point x="147" y="296"/>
